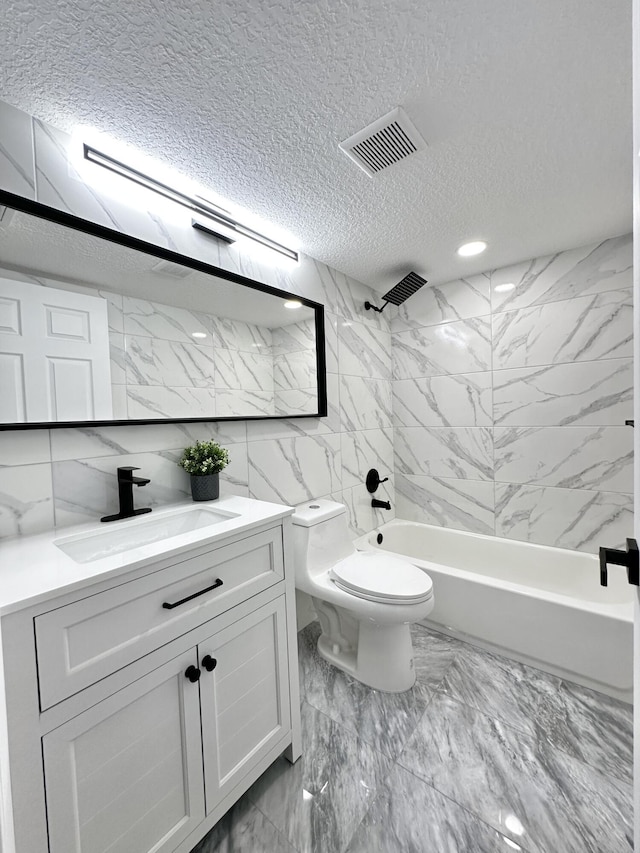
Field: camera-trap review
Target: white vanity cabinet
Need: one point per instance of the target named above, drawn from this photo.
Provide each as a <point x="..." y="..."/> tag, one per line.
<point x="138" y="724"/>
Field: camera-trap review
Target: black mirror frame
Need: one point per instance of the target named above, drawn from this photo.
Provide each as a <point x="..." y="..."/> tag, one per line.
<point x="69" y="220"/>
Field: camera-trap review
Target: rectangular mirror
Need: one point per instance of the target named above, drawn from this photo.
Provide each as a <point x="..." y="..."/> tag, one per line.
<point x="97" y="328"/>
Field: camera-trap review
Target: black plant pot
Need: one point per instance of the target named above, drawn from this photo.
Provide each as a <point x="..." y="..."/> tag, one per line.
<point x="205" y="487"/>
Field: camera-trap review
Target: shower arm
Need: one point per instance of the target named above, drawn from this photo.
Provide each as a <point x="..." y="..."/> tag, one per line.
<point x="371" y="307"/>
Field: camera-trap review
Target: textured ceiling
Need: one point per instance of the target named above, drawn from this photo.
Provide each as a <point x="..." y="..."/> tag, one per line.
<point x="526" y="108"/>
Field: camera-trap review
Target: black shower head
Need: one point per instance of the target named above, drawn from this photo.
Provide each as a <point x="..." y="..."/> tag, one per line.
<point x="400" y="292"/>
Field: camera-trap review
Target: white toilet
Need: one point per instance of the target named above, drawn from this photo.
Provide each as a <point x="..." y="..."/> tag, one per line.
<point x="365" y="600"/>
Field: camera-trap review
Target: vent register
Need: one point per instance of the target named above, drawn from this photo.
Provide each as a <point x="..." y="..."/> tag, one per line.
<point x="387" y="141"/>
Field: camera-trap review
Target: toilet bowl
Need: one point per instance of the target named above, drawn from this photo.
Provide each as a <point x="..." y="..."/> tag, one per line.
<point x="365" y="600"/>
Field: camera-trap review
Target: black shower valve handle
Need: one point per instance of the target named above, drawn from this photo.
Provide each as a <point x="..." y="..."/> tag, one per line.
<point x="373" y="480"/>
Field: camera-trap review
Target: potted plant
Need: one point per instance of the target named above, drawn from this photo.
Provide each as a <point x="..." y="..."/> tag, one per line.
<point x="203" y="461"/>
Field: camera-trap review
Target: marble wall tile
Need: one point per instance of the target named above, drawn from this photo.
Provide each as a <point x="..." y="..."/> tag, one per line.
<point x="296" y="337"/>
<point x="234" y="334"/>
<point x="292" y="427"/>
<point x="455" y="300"/>
<point x="362" y="517"/>
<point x="249" y="371"/>
<point x="24" y="447"/>
<point x="229" y="402"/>
<point x="303" y="401"/>
<point x="594" y="393"/>
<point x="16" y="152"/>
<point x="293" y="470"/>
<point x="460" y="347"/>
<point x="465" y="452"/>
<point x="26" y="499"/>
<point x="166" y="322"/>
<point x="361" y="451"/>
<point x="331" y="324"/>
<point x="567" y="518"/>
<point x="91" y="442"/>
<point x="461" y="504"/>
<point x="350" y="298"/>
<point x="578" y="272"/>
<point x="365" y="403"/>
<point x="364" y="351"/>
<point x="151" y="361"/>
<point x="295" y="370"/>
<point x="117" y="358"/>
<point x="464" y="399"/>
<point x="567" y="457"/>
<point x="581" y="329"/>
<point x="154" y="401"/>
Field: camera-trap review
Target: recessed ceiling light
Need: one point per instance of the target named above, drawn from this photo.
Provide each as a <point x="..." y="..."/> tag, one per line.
<point x="473" y="248"/>
<point x="198" y="334"/>
<point x="292" y="303"/>
<point x="503" y="288"/>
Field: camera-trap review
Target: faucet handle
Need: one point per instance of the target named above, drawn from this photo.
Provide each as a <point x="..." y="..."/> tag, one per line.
<point x="126" y="472"/>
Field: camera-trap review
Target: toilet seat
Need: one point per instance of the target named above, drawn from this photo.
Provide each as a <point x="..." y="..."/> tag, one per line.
<point x="382" y="579"/>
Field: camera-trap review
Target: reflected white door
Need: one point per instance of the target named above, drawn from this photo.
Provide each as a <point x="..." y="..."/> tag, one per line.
<point x="54" y="355"/>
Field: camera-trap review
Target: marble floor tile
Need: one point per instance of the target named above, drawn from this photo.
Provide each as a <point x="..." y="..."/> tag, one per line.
<point x="590" y="726"/>
<point x="503" y="688"/>
<point x="433" y="655"/>
<point x="318" y="802"/>
<point x="383" y="720"/>
<point x="412" y="817"/>
<point x="244" y="829"/>
<point x="536" y="796"/>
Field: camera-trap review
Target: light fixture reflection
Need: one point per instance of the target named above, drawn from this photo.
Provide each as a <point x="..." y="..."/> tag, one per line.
<point x="198" y="334"/>
<point x="467" y="250"/>
<point x="292" y="304"/>
<point x="503" y="288"/>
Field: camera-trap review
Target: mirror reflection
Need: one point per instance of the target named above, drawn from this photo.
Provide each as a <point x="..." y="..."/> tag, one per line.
<point x="94" y="331"/>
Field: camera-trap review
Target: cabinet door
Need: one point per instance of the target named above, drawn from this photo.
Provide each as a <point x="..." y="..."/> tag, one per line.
<point x="125" y="776"/>
<point x="245" y="698"/>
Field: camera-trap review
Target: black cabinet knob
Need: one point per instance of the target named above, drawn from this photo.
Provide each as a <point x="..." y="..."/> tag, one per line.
<point x="192" y="673"/>
<point x="628" y="558"/>
<point x="209" y="663"/>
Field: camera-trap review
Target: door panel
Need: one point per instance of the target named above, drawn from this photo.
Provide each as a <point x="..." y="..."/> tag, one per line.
<point x="126" y="774"/>
<point x="245" y="699"/>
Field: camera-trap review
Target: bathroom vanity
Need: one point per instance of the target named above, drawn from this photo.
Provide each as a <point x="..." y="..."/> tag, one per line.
<point x="147" y="680"/>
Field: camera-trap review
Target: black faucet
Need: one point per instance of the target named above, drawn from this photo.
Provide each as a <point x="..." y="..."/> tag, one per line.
<point x="126" y="482"/>
<point x="376" y="504"/>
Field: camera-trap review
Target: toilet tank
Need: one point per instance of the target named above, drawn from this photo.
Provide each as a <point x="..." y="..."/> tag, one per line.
<point x="320" y="536"/>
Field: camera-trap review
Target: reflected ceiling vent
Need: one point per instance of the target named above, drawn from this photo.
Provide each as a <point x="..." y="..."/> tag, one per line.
<point x="171" y="269"/>
<point x="387" y="141"/>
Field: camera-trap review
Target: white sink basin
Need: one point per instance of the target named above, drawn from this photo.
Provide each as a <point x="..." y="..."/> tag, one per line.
<point x="119" y="536"/>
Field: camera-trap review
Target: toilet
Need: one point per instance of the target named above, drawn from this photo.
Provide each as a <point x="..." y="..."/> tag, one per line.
<point x="365" y="600"/>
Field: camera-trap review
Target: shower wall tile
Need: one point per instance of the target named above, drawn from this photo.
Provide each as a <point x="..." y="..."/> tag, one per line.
<point x="24" y="447"/>
<point x="567" y="457"/>
<point x="462" y="452"/>
<point x="597" y="393"/>
<point x="331" y="325"/>
<point x="581" y="329"/>
<point x="361" y="451"/>
<point x="456" y="300"/>
<point x="568" y="518"/>
<point x="26" y="499"/>
<point x="364" y="351"/>
<point x="364" y="403"/>
<point x="362" y="516"/>
<point x="16" y="152"/>
<point x="461" y="504"/>
<point x="577" y="272"/>
<point x="460" y="347"/>
<point x="461" y="400"/>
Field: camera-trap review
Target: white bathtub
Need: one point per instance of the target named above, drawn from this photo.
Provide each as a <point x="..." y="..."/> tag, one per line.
<point x="539" y="605"/>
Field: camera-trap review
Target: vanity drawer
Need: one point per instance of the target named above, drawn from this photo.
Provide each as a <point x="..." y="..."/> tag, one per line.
<point x="82" y="642"/>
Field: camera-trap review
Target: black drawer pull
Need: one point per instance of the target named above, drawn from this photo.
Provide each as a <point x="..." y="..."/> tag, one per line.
<point x="209" y="663"/>
<point x="168" y="606"/>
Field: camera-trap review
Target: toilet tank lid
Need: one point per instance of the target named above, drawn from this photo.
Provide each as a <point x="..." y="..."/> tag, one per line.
<point x="313" y="512"/>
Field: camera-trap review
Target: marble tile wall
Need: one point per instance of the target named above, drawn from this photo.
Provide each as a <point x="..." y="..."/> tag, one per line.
<point x="509" y="403"/>
<point x="64" y="476"/>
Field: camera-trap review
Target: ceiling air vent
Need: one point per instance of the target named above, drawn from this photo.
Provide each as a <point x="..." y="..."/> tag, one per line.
<point x="171" y="269"/>
<point x="383" y="143"/>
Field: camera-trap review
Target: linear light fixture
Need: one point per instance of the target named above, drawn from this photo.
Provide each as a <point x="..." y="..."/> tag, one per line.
<point x="197" y="204"/>
<point x="200" y="226"/>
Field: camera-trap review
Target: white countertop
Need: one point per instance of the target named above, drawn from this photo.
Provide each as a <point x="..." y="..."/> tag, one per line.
<point x="33" y="568"/>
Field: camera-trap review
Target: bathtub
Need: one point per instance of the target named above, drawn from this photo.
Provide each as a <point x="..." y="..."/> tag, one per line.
<point x="539" y="605"/>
